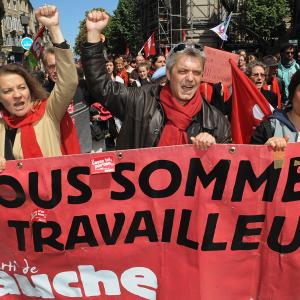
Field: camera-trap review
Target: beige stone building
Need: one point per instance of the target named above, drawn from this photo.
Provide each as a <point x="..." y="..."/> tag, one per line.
<point x="18" y="21"/>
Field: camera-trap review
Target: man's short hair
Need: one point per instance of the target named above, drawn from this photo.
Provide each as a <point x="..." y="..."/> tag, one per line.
<point x="286" y="46"/>
<point x="253" y="64"/>
<point x="48" y="50"/>
<point x="188" y="50"/>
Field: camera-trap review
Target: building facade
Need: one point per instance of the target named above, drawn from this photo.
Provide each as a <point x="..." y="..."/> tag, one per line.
<point x="174" y="21"/>
<point x="17" y="22"/>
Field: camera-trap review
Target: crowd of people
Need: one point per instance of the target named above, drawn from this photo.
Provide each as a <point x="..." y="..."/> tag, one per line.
<point x="103" y="102"/>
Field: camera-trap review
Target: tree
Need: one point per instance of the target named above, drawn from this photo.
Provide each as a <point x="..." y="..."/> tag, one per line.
<point x="125" y="29"/>
<point x="81" y="37"/>
<point x="267" y="17"/>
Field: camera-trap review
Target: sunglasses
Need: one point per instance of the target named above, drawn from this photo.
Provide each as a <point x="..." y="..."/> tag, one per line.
<point x="256" y="75"/>
<point x="181" y="46"/>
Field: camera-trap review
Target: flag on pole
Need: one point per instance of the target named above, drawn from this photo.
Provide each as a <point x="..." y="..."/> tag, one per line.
<point x="36" y="49"/>
<point x="149" y="46"/>
<point x="249" y="106"/>
<point x="221" y="29"/>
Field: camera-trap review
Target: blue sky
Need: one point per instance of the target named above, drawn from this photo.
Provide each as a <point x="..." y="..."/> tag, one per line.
<point x="72" y="12"/>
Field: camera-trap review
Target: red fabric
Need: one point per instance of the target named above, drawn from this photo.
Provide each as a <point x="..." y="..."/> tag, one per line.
<point x="166" y="52"/>
<point x="245" y="97"/>
<point x="127" y="51"/>
<point x="104" y="114"/>
<point x="149" y="46"/>
<point x="206" y="90"/>
<point x="178" y="117"/>
<point x="124" y="75"/>
<point x="226" y="92"/>
<point x="30" y="146"/>
<point x="37" y="47"/>
<point x="68" y="136"/>
<point x="275" y="89"/>
<point x="184" y="36"/>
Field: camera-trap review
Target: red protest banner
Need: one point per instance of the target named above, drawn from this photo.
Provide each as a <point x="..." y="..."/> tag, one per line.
<point x="169" y="223"/>
<point x="217" y="67"/>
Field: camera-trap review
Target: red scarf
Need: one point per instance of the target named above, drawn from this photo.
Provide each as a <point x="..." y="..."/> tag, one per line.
<point x="179" y="117"/>
<point x="29" y="144"/>
<point x="104" y="114"/>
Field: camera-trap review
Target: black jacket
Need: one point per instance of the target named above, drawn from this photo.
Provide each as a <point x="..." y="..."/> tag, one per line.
<point x="139" y="108"/>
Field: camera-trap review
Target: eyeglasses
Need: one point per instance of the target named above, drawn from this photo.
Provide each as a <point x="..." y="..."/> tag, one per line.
<point x="289" y="52"/>
<point x="256" y="75"/>
<point x="181" y="46"/>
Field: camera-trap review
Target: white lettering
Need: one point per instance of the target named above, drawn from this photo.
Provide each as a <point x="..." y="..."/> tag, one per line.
<point x="41" y="286"/>
<point x="8" y="285"/>
<point x="90" y="280"/>
<point x="62" y="281"/>
<point x="136" y="280"/>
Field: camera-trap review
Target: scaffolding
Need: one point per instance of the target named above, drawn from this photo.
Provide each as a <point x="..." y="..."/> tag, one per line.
<point x="186" y="19"/>
<point x="174" y="21"/>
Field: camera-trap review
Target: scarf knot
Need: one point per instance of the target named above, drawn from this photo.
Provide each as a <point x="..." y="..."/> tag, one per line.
<point x="178" y="117"/>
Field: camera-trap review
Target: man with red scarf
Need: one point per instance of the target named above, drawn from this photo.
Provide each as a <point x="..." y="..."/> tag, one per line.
<point x="151" y="115"/>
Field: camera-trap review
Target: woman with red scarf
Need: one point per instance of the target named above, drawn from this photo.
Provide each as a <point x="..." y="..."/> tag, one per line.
<point x="31" y="125"/>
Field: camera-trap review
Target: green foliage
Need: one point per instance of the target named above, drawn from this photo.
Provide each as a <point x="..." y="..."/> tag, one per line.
<point x="81" y="37"/>
<point x="267" y="17"/>
<point x="124" y="29"/>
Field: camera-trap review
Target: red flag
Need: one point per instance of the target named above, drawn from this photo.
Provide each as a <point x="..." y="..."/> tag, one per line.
<point x="184" y="36"/>
<point x="37" y="47"/>
<point x="249" y="106"/>
<point x="166" y="52"/>
<point x="149" y="46"/>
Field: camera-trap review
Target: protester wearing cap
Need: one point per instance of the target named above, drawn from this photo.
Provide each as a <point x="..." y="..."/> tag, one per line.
<point x="273" y="83"/>
<point x="152" y="115"/>
<point x="288" y="65"/>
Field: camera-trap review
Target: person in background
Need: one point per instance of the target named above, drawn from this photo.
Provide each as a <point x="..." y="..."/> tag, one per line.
<point x="155" y="116"/>
<point x="110" y="67"/>
<point x="273" y="83"/>
<point x="79" y="104"/>
<point x="157" y="62"/>
<point x="287" y="66"/>
<point x="120" y="70"/>
<point x="257" y="72"/>
<point x="134" y="75"/>
<point x="131" y="66"/>
<point x="242" y="63"/>
<point x="31" y="125"/>
<point x="143" y="70"/>
<point x="283" y="126"/>
<point x="251" y="58"/>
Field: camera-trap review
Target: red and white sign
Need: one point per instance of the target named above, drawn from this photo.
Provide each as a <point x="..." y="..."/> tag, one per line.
<point x="217" y="67"/>
<point x="169" y="223"/>
<point x="103" y="164"/>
